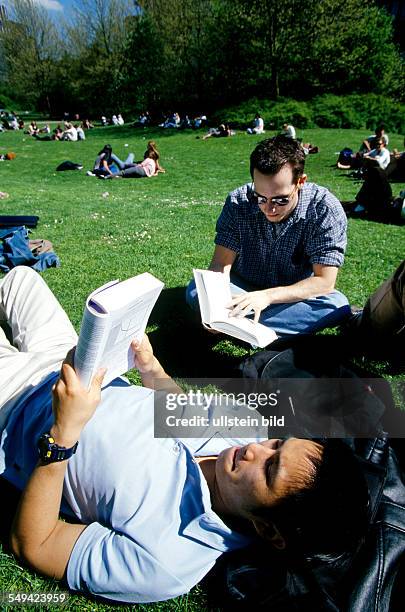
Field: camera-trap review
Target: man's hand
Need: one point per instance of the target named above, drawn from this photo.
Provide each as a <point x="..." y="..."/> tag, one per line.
<point x="73" y="406"/>
<point x="152" y="374"/>
<point x="145" y="361"/>
<point x="257" y="301"/>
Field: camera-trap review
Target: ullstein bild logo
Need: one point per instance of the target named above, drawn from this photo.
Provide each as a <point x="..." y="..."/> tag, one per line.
<point x="224" y="421"/>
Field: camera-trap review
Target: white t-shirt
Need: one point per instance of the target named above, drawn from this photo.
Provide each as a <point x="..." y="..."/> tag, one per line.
<point x="289" y="131"/>
<point x="382" y="157"/>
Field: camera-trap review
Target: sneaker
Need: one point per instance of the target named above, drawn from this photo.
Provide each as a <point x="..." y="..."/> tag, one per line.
<point x="90" y="173"/>
<point x="3" y="195"/>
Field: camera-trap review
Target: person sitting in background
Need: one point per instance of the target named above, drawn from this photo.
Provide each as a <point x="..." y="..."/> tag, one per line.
<point x="45" y="129"/>
<point x="13" y="122"/>
<point x="258" y="125"/>
<point x="199" y="121"/>
<point x="222" y="131"/>
<point x="104" y="121"/>
<point x="144" y="118"/>
<point x="120" y="119"/>
<point x="370" y="142"/>
<point x="32" y="129"/>
<point x="147" y="168"/>
<point x="288" y="130"/>
<point x="80" y="132"/>
<point x="86" y="125"/>
<point x="69" y="133"/>
<point x="108" y="164"/>
<point x="380" y="155"/>
<point x="185" y="123"/>
<point x="173" y="121"/>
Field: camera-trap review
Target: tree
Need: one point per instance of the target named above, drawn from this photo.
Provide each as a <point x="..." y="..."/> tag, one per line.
<point x="30" y="46"/>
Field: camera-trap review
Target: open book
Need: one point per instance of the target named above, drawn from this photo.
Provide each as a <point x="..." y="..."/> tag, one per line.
<point x="114" y="315"/>
<point x="214" y="294"/>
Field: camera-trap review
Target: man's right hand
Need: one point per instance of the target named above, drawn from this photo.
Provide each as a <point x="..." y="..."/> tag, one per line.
<point x="73" y="405"/>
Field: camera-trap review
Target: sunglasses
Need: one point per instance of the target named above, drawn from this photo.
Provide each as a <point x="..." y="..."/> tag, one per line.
<point x="261" y="200"/>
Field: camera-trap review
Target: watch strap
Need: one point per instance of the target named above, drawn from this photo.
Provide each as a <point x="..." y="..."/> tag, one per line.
<point x="50" y="452"/>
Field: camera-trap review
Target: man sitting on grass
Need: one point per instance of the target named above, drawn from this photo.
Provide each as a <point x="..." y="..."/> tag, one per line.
<point x="152" y="516"/>
<point x="282" y="240"/>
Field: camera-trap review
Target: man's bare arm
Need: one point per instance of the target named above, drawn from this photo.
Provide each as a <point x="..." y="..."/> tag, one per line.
<point x="152" y="373"/>
<point x="222" y="259"/>
<point x="38" y="537"/>
<point x="321" y="283"/>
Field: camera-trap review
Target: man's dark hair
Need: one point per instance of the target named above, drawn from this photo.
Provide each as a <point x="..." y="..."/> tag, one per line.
<point x="272" y="154"/>
<point x="329" y="518"/>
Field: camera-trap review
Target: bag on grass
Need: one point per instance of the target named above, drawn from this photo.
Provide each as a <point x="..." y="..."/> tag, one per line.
<point x="345" y="157"/>
<point x="68" y="165"/>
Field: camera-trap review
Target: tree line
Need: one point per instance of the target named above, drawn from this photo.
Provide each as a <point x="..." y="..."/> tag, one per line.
<point x="194" y="55"/>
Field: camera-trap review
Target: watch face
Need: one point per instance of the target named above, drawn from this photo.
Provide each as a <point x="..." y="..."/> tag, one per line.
<point x="49" y="451"/>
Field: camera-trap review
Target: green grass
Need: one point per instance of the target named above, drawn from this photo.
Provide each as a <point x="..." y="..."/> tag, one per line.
<point x="164" y="225"/>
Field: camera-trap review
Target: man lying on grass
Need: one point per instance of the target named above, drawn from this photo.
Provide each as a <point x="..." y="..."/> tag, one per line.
<point x="152" y="517"/>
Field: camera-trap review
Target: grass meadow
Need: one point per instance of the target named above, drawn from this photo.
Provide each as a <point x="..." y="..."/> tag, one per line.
<point x="103" y="230"/>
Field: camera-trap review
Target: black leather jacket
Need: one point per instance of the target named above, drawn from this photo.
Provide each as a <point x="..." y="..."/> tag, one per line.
<point x="373" y="579"/>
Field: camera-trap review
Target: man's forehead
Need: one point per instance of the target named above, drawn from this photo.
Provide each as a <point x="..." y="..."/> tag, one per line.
<point x="295" y="461"/>
<point x="275" y="182"/>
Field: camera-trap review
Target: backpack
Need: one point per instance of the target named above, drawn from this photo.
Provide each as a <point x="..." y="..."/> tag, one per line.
<point x="345" y="157"/>
<point x="261" y="578"/>
<point x="68" y="165"/>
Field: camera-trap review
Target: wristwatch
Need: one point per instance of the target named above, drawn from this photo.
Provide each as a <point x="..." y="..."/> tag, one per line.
<point x="50" y="452"/>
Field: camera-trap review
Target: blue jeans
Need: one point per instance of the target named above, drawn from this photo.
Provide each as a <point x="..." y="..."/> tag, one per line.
<point x="306" y="317"/>
<point x="123" y="164"/>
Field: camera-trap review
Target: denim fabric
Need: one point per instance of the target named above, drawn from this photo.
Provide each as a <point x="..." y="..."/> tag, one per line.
<point x="306" y="317"/>
<point x="15" y="251"/>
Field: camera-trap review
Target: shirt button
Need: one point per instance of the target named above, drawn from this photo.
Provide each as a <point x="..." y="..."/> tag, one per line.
<point x="176" y="448"/>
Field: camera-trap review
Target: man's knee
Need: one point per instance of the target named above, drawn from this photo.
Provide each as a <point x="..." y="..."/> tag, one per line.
<point x="19" y="274"/>
<point x="337" y="300"/>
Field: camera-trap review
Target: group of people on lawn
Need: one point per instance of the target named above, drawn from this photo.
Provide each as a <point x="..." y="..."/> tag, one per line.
<point x="152" y="515"/>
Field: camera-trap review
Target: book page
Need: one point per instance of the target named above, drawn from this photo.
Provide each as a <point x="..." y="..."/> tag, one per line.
<point x="214" y="294"/>
<point x="246" y="330"/>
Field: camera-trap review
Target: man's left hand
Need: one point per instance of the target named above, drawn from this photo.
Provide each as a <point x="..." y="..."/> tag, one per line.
<point x="73" y="405"/>
<point x="253" y="300"/>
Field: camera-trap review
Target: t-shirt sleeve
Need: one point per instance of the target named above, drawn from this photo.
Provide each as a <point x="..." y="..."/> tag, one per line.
<point x="227" y="228"/>
<point x="328" y="240"/>
<point x="109" y="564"/>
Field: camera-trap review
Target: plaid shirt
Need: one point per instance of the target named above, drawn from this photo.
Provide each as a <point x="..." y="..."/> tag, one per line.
<point x="269" y="256"/>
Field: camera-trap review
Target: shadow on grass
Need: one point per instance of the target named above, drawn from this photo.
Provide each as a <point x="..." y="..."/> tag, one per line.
<point x="181" y="343"/>
<point x="10" y="496"/>
<point x="149" y="132"/>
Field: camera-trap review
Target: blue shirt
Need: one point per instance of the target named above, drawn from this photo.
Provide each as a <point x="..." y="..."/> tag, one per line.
<point x="280" y="254"/>
<point x="152" y="533"/>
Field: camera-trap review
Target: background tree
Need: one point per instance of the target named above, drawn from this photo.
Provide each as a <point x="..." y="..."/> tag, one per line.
<point x="30" y="48"/>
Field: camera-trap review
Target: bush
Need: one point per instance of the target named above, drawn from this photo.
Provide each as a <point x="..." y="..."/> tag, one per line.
<point x="355" y="111"/>
<point x="274" y="114"/>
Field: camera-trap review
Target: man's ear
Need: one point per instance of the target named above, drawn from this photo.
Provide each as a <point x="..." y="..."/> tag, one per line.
<point x="270" y="533"/>
<point x="302" y="180"/>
